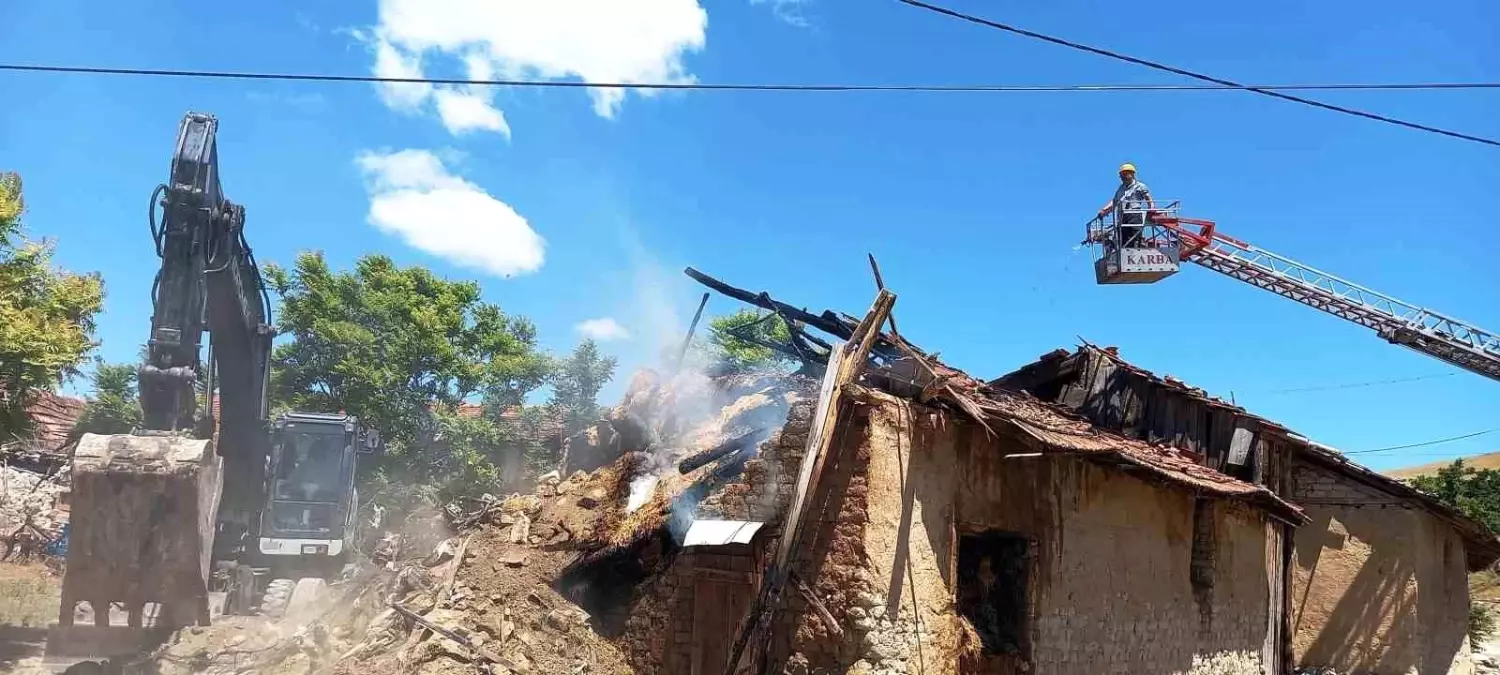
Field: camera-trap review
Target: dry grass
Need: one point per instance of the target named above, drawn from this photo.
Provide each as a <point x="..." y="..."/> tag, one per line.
<point x="1489" y="460"/>
<point x="1484" y="585"/>
<point x="29" y="595"/>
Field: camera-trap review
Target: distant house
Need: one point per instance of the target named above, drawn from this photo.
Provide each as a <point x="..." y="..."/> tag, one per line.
<point x="46" y="445"/>
<point x="1377" y="581"/>
<point x="549" y="434"/>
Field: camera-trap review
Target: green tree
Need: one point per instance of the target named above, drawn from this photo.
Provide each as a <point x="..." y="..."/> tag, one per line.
<point x="400" y="348"/>
<point x="576" y="381"/>
<point x="46" y="314"/>
<point x="727" y="339"/>
<point x="115" y="406"/>
<point x="1474" y="492"/>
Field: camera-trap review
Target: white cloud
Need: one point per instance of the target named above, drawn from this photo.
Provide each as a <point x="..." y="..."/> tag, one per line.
<point x="463" y="111"/>
<point x="589" y="40"/>
<point x="603" y="329"/>
<point x="414" y="197"/>
<point x="788" y="11"/>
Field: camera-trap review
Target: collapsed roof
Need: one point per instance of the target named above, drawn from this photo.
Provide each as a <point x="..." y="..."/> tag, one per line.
<point x="902" y="369"/>
<point x="1087" y="366"/>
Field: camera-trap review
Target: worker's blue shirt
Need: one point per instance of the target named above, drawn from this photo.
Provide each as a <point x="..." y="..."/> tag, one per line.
<point x="1133" y="195"/>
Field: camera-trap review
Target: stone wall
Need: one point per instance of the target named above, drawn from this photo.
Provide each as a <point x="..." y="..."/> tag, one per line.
<point x="1379" y="586"/>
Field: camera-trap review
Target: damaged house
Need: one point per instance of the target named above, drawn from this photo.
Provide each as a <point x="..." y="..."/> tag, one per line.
<point x="904" y="517"/>
<point x="878" y="512"/>
<point x="1377" y="580"/>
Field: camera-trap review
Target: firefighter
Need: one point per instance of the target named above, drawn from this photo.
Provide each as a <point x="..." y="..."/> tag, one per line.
<point x="1132" y="196"/>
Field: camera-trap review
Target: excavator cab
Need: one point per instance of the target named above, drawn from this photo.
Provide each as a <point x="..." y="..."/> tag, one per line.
<point x="1135" y="246"/>
<point x="308" y="520"/>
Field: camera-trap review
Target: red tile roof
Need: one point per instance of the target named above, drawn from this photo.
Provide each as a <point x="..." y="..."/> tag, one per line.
<point x="52" y="417"/>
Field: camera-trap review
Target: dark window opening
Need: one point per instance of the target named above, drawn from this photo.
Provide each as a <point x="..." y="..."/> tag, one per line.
<point x="1201" y="567"/>
<point x="1204" y="543"/>
<point x="992" y="575"/>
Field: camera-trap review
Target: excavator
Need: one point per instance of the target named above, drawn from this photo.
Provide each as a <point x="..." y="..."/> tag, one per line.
<point x="207" y="509"/>
<point x="1155" y="250"/>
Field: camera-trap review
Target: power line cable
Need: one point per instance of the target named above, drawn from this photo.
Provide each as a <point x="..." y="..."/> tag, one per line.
<point x="1357" y="385"/>
<point x="1197" y="76"/>
<point x="708" y="86"/>
<point x="1423" y="444"/>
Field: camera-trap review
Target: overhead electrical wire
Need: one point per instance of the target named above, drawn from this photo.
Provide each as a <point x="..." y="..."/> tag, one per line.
<point x="731" y="86"/>
<point x="1424" y="444"/>
<point x="1358" y="385"/>
<point x="1155" y="65"/>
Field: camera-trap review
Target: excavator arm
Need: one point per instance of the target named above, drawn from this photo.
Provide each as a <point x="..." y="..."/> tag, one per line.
<point x="208" y="282"/>
<point x="154" y="510"/>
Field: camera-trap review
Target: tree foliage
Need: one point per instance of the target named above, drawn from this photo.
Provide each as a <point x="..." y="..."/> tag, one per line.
<point x="46" y="314"/>
<point x="115" y="406"/>
<point x="576" y="381"/>
<point x="401" y="349"/>
<point x="1474" y="492"/>
<point x="727" y="341"/>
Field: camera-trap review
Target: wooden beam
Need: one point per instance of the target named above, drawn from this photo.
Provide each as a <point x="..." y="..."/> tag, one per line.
<point x="687" y="340"/>
<point x="828" y="322"/>
<point x="845" y="365"/>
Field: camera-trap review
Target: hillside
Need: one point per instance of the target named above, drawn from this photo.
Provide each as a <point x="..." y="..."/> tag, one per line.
<point x="1490" y="460"/>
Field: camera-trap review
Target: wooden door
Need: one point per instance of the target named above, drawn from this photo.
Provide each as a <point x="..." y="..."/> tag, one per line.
<point x="717" y="609"/>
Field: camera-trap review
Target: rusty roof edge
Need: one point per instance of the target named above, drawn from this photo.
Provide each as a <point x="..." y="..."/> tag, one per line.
<point x="1472" y="530"/>
<point x="1258" y="495"/>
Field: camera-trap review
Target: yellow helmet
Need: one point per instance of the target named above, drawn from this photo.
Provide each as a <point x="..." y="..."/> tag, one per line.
<point x="1127" y="167"/>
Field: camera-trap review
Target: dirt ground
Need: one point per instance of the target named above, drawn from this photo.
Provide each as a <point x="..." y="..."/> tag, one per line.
<point x="29" y="595"/>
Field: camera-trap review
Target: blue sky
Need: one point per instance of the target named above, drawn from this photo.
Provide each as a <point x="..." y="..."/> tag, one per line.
<point x="973" y="203"/>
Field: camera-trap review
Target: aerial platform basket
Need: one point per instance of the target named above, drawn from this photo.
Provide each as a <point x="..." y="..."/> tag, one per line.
<point x="1136" y="246"/>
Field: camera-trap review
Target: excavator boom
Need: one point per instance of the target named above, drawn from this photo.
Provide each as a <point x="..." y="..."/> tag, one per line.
<point x="152" y="510"/>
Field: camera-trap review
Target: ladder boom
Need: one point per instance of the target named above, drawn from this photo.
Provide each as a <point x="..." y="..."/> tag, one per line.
<point x="1454" y="341"/>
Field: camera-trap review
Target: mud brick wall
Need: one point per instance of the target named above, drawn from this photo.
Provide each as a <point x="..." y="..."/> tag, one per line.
<point x="1378" y="585"/>
<point x="830" y="562"/>
<point x="648" y="628"/>
<point x="764" y="491"/>
<point x="1108" y="560"/>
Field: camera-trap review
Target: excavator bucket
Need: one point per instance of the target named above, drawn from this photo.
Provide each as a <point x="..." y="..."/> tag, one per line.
<point x="144" y="509"/>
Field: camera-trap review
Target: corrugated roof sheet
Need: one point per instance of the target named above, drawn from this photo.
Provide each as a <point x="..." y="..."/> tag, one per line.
<point x="720" y="532"/>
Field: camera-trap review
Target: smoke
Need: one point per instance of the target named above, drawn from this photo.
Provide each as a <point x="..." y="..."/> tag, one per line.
<point x="686" y="410"/>
<point x="641" y="488"/>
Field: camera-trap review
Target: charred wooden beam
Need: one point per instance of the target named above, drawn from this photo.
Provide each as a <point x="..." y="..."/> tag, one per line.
<point x="741" y="442"/>
<point x="828" y="322"/>
<point x="687" y="340"/>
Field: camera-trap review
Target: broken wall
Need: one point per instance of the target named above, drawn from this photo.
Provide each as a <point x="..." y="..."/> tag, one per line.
<point x="1113" y="580"/>
<point x="1378" y="586"/>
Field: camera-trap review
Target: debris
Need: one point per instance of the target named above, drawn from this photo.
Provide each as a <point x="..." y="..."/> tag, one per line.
<point x="520" y="532"/>
<point x="513" y="559"/>
<point x="831" y="623"/>
<point x="460" y="639"/>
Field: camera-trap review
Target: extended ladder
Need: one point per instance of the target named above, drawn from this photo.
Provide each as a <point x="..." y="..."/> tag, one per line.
<point x="1457" y="342"/>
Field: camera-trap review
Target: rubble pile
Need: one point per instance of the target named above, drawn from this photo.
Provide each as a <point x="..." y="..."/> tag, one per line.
<point x="30" y="497"/>
<point x="544" y="582"/>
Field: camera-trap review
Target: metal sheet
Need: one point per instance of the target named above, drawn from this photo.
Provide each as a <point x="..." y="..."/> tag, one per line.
<point x="720" y="532"/>
<point x="1239" y="444"/>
